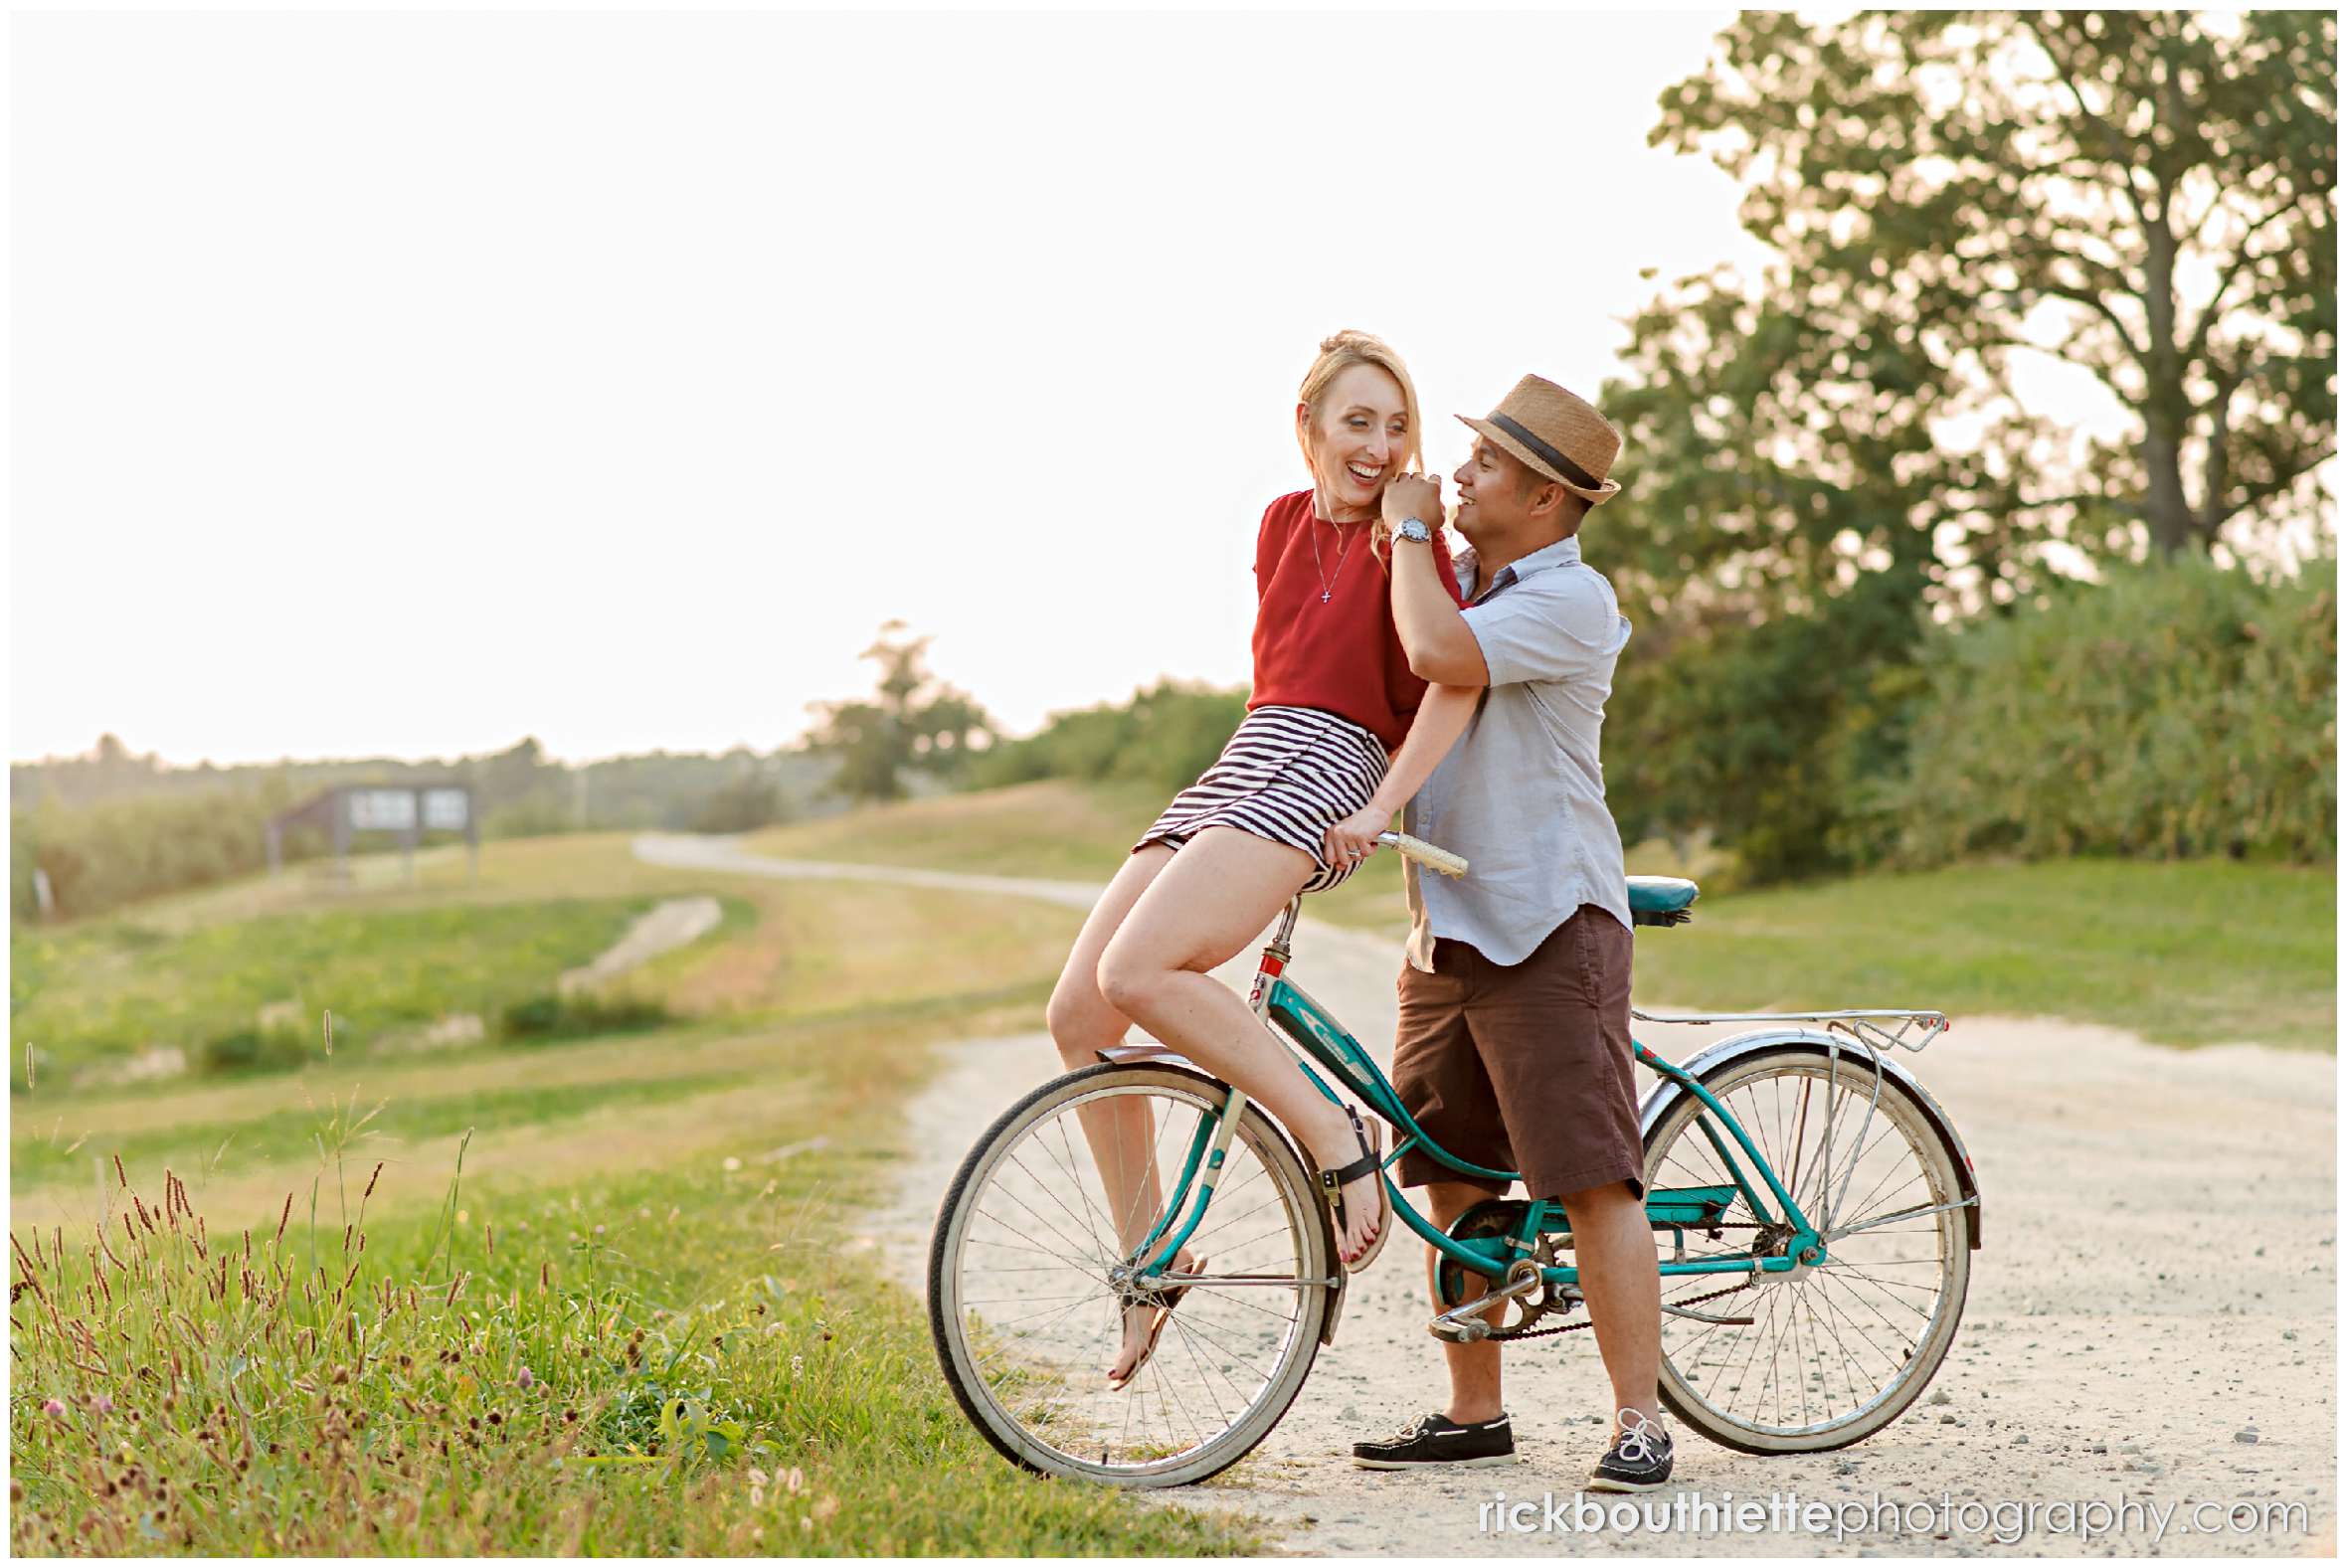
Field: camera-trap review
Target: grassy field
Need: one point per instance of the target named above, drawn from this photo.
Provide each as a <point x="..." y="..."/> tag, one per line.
<point x="615" y="1293"/>
<point x="607" y="1296"/>
<point x="2181" y="952"/>
<point x="109" y="987"/>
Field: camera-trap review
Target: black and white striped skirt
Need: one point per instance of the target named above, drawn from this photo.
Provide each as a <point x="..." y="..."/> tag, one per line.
<point x="1288" y="774"/>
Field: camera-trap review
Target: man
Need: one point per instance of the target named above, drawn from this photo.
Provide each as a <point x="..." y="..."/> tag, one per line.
<point x="1513" y="1045"/>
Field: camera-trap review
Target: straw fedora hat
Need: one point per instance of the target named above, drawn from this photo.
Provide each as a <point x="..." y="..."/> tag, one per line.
<point x="1557" y="434"/>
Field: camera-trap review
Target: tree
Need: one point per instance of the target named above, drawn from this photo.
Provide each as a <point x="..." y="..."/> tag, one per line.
<point x="512" y="774"/>
<point x="748" y="799"/>
<point x="2145" y="195"/>
<point x="1815" y="452"/>
<point x="914" y="720"/>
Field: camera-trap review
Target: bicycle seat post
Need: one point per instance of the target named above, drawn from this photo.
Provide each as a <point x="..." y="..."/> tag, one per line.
<point x="1275" y="956"/>
<point x="1287" y="928"/>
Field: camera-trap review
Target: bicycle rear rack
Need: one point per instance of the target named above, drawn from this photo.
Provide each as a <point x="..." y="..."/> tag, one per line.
<point x="1877" y="1027"/>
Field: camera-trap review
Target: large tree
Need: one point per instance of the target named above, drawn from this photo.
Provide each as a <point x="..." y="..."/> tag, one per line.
<point x="2144" y="195"/>
<point x="1815" y="449"/>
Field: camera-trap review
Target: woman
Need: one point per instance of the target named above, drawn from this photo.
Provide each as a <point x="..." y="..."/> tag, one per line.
<point x="1338" y="734"/>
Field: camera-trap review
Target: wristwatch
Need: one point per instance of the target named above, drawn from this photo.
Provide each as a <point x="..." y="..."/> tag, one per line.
<point x="1414" y="531"/>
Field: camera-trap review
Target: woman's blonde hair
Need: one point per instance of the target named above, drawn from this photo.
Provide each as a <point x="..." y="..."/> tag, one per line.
<point x="1338" y="353"/>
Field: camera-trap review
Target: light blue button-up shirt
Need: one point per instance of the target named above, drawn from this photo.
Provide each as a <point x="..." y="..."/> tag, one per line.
<point x="1521" y="795"/>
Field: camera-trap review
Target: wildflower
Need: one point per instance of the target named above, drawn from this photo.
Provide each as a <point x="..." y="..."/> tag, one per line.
<point x="756" y="1476"/>
<point x="798" y="1364"/>
<point x="794" y="1481"/>
<point x="732" y="1162"/>
<point x="524" y="1378"/>
<point x="103" y="1404"/>
<point x="824" y="1507"/>
<point x="53" y="1407"/>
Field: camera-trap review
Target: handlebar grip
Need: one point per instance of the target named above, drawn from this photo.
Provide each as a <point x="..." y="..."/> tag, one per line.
<point x="1429" y="855"/>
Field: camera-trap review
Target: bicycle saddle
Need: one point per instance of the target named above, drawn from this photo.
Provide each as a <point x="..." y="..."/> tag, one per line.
<point x="1662" y="901"/>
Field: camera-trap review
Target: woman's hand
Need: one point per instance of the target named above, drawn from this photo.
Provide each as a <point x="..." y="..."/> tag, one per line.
<point x="1416" y="495"/>
<point x="1351" y="841"/>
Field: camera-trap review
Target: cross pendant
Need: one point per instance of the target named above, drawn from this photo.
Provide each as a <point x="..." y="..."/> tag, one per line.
<point x="1323" y="596"/>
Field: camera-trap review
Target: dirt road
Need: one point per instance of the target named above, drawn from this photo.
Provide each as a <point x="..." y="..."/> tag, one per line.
<point x="2152" y="1319"/>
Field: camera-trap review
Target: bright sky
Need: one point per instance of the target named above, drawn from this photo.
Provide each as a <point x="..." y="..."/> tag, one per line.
<point x="408" y="384"/>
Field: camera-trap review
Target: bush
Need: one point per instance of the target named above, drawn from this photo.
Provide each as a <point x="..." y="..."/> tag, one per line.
<point x="1164" y="736"/>
<point x="1746" y="728"/>
<point x="2172" y="711"/>
<point x="256" y="1050"/>
<point x="117" y="851"/>
<point x="553" y="1017"/>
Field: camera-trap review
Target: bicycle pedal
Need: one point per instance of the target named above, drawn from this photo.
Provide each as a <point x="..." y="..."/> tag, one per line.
<point x="1473" y="1332"/>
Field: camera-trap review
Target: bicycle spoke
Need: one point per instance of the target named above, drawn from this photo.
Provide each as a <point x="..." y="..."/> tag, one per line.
<point x="1072" y="1191"/>
<point x="1828" y="1345"/>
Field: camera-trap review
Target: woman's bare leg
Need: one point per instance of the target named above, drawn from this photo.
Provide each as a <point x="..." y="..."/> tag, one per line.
<point x="1211" y="901"/>
<point x="1118" y="1132"/>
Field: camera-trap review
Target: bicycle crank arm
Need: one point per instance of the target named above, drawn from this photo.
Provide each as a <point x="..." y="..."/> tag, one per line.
<point x="1705" y="1318"/>
<point x="1465" y="1324"/>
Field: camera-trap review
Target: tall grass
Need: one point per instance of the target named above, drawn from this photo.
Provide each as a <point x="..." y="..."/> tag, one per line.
<point x="684" y="1363"/>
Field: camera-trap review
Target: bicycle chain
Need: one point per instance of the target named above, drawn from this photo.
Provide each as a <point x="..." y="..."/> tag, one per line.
<point x="1546" y="1333"/>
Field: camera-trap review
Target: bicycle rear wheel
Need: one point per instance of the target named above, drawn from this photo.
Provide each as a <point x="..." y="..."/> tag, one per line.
<point x="1027" y="1315"/>
<point x="1834" y="1351"/>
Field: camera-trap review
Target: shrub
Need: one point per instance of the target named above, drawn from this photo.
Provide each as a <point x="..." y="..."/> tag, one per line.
<point x="1746" y="728"/>
<point x="552" y="1015"/>
<point x="1164" y="736"/>
<point x="2172" y="711"/>
<point x="109" y="853"/>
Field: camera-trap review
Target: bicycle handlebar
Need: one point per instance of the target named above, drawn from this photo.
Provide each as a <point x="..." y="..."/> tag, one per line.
<point x="1431" y="856"/>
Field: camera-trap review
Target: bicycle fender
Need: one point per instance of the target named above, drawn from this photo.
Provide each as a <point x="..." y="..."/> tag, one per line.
<point x="1722" y="1054"/>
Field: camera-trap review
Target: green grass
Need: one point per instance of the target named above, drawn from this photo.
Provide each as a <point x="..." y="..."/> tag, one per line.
<point x="2189" y="952"/>
<point x="109" y="987"/>
<point x="670" y="1216"/>
<point x="376" y="1127"/>
<point x="682" y="1362"/>
<point x="2181" y="953"/>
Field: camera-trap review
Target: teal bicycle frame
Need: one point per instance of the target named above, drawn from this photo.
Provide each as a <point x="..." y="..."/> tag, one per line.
<point x="1321" y="1039"/>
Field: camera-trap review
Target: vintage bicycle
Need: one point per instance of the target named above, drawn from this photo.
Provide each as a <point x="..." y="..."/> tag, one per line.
<point x="1814" y="1211"/>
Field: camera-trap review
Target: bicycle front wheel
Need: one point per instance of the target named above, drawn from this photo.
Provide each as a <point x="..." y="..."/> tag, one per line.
<point x="1836" y="1351"/>
<point x="1026" y="1306"/>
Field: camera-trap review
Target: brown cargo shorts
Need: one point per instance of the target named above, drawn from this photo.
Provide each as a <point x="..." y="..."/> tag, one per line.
<point x="1525" y="1067"/>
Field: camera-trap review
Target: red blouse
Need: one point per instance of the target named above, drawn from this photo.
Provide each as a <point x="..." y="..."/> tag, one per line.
<point x="1341" y="655"/>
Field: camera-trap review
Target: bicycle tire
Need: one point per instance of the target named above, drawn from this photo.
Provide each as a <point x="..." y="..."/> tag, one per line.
<point x="959" y="1218"/>
<point x="1676" y="1154"/>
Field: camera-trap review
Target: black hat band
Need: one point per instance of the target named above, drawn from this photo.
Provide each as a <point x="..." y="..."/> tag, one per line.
<point x="1548" y="454"/>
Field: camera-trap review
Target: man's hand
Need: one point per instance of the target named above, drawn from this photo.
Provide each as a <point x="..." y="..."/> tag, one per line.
<point x="1351" y="841"/>
<point x="1416" y="495"/>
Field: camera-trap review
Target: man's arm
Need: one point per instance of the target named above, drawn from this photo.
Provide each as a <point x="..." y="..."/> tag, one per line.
<point x="1426" y="615"/>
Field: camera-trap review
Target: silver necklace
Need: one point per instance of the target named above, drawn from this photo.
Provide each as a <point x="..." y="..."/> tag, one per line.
<point x="1316" y="556"/>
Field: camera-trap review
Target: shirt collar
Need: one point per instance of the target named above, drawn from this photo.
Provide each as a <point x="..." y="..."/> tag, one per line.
<point x="1565" y="552"/>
